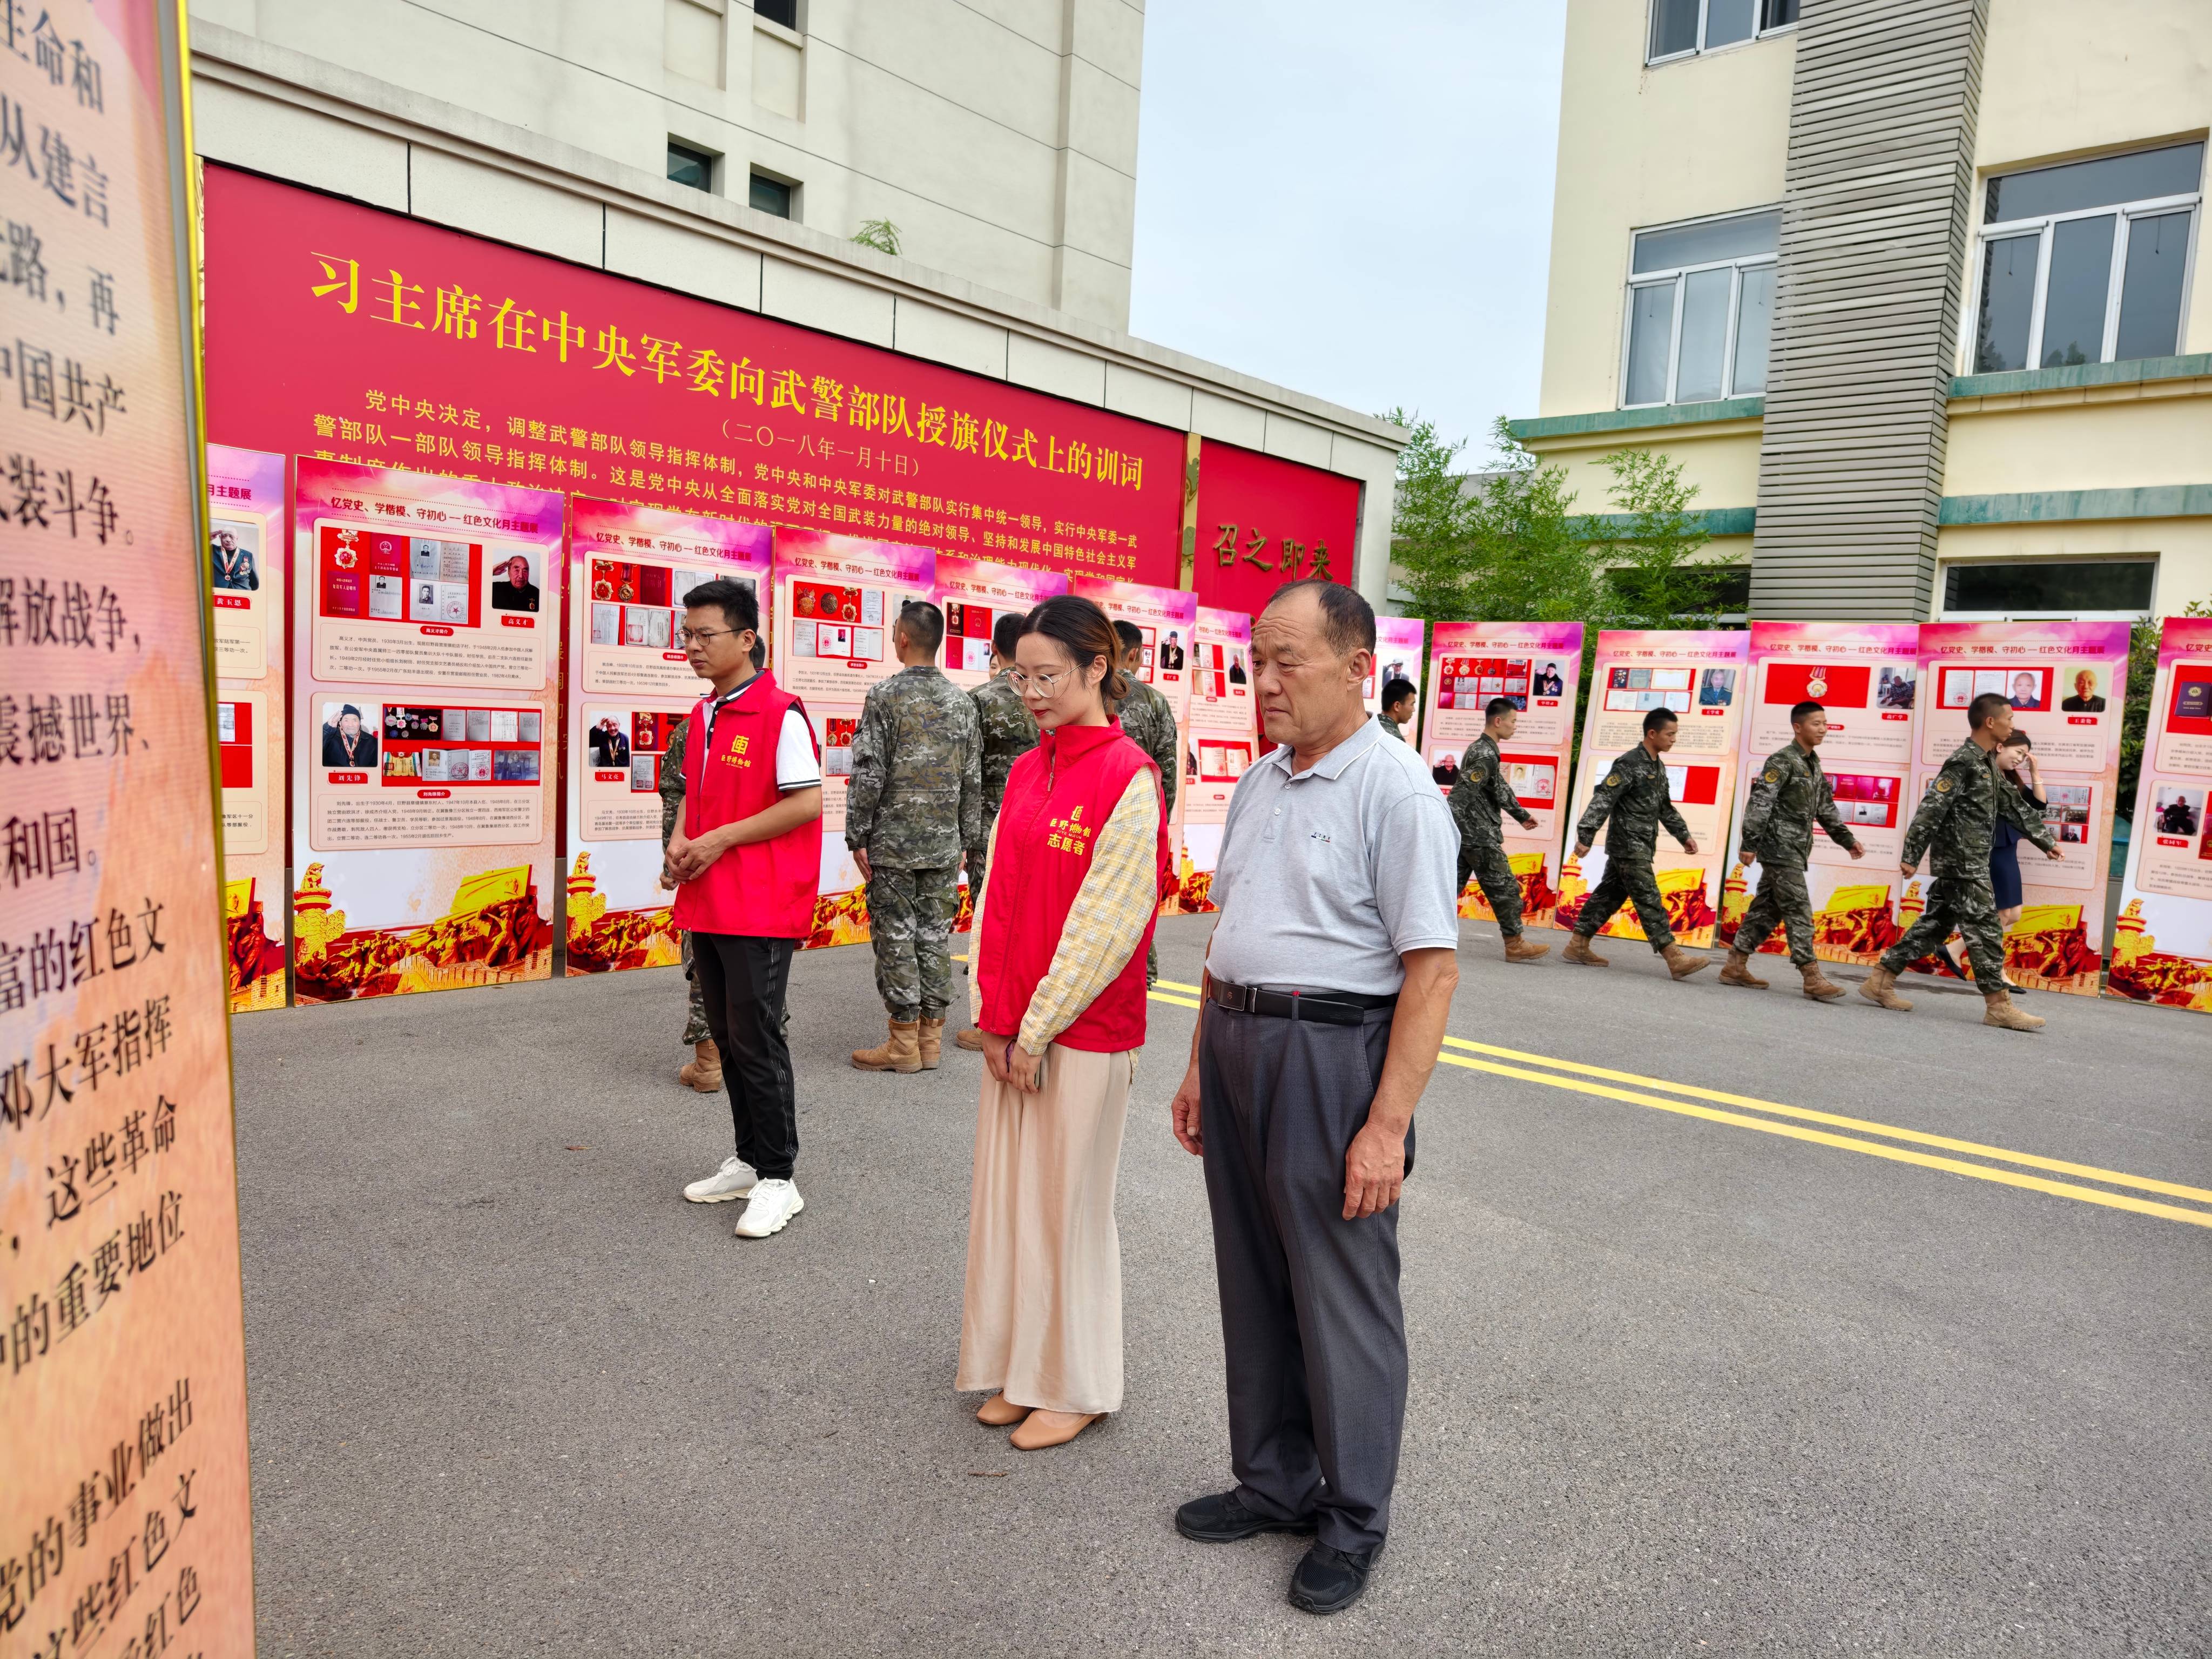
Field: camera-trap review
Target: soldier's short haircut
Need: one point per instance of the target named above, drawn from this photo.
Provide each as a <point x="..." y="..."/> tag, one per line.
<point x="1397" y="691"/>
<point x="1006" y="634"/>
<point x="1348" y="620"/>
<point x="924" y="623"/>
<point x="740" y="609"/>
<point x="1979" y="710"/>
<point x="1130" y="636"/>
<point x="1808" y="707"/>
<point x="1498" y="705"/>
<point x="1657" y="718"/>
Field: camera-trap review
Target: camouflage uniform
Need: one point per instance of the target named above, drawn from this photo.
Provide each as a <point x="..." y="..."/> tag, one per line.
<point x="1392" y="727"/>
<point x="1789" y="794"/>
<point x="917" y="804"/>
<point x="1634" y="795"/>
<point x="1957" y="819"/>
<point x="672" y="807"/>
<point x="1147" y="719"/>
<point x="1009" y="733"/>
<point x="1476" y="800"/>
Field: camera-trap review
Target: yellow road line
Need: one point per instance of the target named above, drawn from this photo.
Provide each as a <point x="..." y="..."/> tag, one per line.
<point x="1896" y="1154"/>
<point x="1180" y="1002"/>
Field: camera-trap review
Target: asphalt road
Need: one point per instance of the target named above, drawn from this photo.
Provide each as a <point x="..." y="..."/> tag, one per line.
<point x="1681" y="1383"/>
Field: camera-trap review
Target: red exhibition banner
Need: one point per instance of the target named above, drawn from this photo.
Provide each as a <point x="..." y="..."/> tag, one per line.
<point x="2068" y="684"/>
<point x="2162" y="943"/>
<point x="246" y="570"/>
<point x="425" y="647"/>
<point x="1865" y="675"/>
<point x="1220" y="740"/>
<point x="1263" y="521"/>
<point x="1536" y="666"/>
<point x="629" y="688"/>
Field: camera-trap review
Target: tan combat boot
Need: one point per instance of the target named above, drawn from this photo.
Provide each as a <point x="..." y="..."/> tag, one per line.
<point x="902" y="1052"/>
<point x="970" y="1039"/>
<point x="1736" y="970"/>
<point x="1818" y="985"/>
<point x="1682" y="965"/>
<point x="1578" y="950"/>
<point x="929" y="1042"/>
<point x="1518" y="949"/>
<point x="703" y="1071"/>
<point x="1998" y="1011"/>
<point x="1880" y="989"/>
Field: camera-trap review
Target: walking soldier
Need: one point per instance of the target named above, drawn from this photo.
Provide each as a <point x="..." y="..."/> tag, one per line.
<point x="1634" y="796"/>
<point x="1477" y="798"/>
<point x="1789" y="796"/>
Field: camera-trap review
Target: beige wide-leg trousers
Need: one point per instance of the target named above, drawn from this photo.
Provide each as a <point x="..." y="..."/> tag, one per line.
<point x="1043" y="1322"/>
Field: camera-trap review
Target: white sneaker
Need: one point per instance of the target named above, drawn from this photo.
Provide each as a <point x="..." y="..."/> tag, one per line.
<point x="733" y="1180"/>
<point x="773" y="1203"/>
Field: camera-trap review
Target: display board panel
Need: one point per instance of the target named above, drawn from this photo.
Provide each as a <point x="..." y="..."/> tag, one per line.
<point x="1168" y="618"/>
<point x="2162" y="942"/>
<point x="246" y="570"/>
<point x="1220" y="740"/>
<point x="426" y="613"/>
<point x="1537" y="667"/>
<point x="125" y="1525"/>
<point x="836" y="598"/>
<point x="1398" y="642"/>
<point x="629" y="686"/>
<point x="1866" y="675"/>
<point x="1700" y="675"/>
<point x="2067" y="685"/>
<point x="974" y="594"/>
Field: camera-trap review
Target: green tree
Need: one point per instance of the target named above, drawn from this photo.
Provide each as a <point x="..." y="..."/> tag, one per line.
<point x="880" y="234"/>
<point x="1529" y="556"/>
<point x="1431" y="522"/>
<point x="1650" y="542"/>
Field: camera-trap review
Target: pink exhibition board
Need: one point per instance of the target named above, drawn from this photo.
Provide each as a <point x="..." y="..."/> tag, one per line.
<point x="247" y="565"/>
<point x="1865" y="675"/>
<point x="1537" y="666"/>
<point x="836" y="599"/>
<point x="1220" y="740"/>
<point x="425" y="650"/>
<point x="629" y="687"/>
<point x="974" y="594"/>
<point x="1398" y="656"/>
<point x="1700" y="675"/>
<point x="2068" y="684"/>
<point x="1168" y="618"/>
<point x="2162" y="942"/>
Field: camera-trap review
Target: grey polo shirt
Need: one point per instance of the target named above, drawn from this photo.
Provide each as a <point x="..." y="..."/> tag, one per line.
<point x="1329" y="876"/>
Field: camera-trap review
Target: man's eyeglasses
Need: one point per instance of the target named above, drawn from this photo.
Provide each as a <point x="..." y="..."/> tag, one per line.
<point x="700" y="635"/>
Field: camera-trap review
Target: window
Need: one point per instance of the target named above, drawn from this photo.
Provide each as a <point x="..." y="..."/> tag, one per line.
<point x="687" y="166"/>
<point x="1700" y="307"/>
<point x="2086" y="263"/>
<point x="1679" y="28"/>
<point x="785" y="12"/>
<point x="2114" y="589"/>
<point x="771" y="196"/>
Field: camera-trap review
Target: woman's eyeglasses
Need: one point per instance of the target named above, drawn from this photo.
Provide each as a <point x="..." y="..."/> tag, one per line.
<point x="1047" y="685"/>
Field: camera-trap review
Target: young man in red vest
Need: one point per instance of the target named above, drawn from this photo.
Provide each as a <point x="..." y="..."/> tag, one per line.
<point x="747" y="859"/>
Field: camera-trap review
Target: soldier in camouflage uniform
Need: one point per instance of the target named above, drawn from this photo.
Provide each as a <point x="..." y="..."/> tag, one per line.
<point x="914" y="807"/>
<point x="1634" y="795"/>
<point x="1010" y="732"/>
<point x="1146" y="717"/>
<point x="1955" y="824"/>
<point x="703" y="1071"/>
<point x="1398" y="697"/>
<point x="1476" y="800"/>
<point x="1788" y="797"/>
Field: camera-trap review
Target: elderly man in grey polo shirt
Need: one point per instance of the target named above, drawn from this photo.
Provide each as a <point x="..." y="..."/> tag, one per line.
<point x="1327" y="983"/>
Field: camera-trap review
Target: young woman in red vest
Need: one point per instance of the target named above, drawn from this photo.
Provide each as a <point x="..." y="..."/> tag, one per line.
<point x="747" y="858"/>
<point x="1077" y="861"/>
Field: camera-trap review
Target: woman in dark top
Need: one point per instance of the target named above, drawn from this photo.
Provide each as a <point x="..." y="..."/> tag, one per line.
<point x="2016" y="758"/>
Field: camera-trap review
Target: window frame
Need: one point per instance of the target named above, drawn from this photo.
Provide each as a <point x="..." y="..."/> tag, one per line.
<point x="715" y="159"/>
<point x="1678" y="277"/>
<point x="1759" y="31"/>
<point x="2044" y="227"/>
<point x="1947" y="612"/>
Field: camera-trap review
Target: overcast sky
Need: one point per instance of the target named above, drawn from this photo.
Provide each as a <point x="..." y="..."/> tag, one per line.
<point x="1354" y="198"/>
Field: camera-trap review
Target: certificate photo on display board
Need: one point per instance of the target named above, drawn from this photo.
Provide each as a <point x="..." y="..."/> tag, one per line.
<point x="1218" y="740"/>
<point x="422" y="807"/>
<point x="1700" y="675"/>
<point x="2039" y="668"/>
<point x="629" y="687"/>
<point x="2162" y="941"/>
<point x="246" y="569"/>
<point x="1863" y="675"/>
<point x="1536" y="668"/>
<point x="836" y="598"/>
<point x="1167" y="618"/>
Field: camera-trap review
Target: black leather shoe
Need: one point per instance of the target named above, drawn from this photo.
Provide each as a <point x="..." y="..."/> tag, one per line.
<point x="1329" y="1580"/>
<point x="1221" y="1519"/>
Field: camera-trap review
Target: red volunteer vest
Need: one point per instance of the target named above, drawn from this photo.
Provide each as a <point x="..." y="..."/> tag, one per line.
<point x="765" y="889"/>
<point x="1058" y="797"/>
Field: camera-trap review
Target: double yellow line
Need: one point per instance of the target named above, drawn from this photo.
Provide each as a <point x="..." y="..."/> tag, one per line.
<point x="1771" y="1117"/>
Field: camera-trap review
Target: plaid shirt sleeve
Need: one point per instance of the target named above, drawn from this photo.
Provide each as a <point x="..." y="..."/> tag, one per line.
<point x="1117" y="898"/>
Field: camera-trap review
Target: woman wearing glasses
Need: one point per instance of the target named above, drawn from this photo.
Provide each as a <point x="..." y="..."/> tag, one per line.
<point x="1078" y="859"/>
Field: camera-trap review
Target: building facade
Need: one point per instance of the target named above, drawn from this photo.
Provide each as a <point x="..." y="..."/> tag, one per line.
<point x="1913" y="289"/>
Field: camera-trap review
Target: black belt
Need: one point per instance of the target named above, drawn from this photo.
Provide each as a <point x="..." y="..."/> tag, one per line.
<point x="1333" y="1008"/>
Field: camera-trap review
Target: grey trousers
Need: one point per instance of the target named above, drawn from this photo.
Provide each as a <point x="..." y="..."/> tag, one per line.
<point x="1310" y="1318"/>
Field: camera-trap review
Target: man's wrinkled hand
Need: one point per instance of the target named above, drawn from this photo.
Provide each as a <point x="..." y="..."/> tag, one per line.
<point x="1184" y="1111"/>
<point x="1374" y="1171"/>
